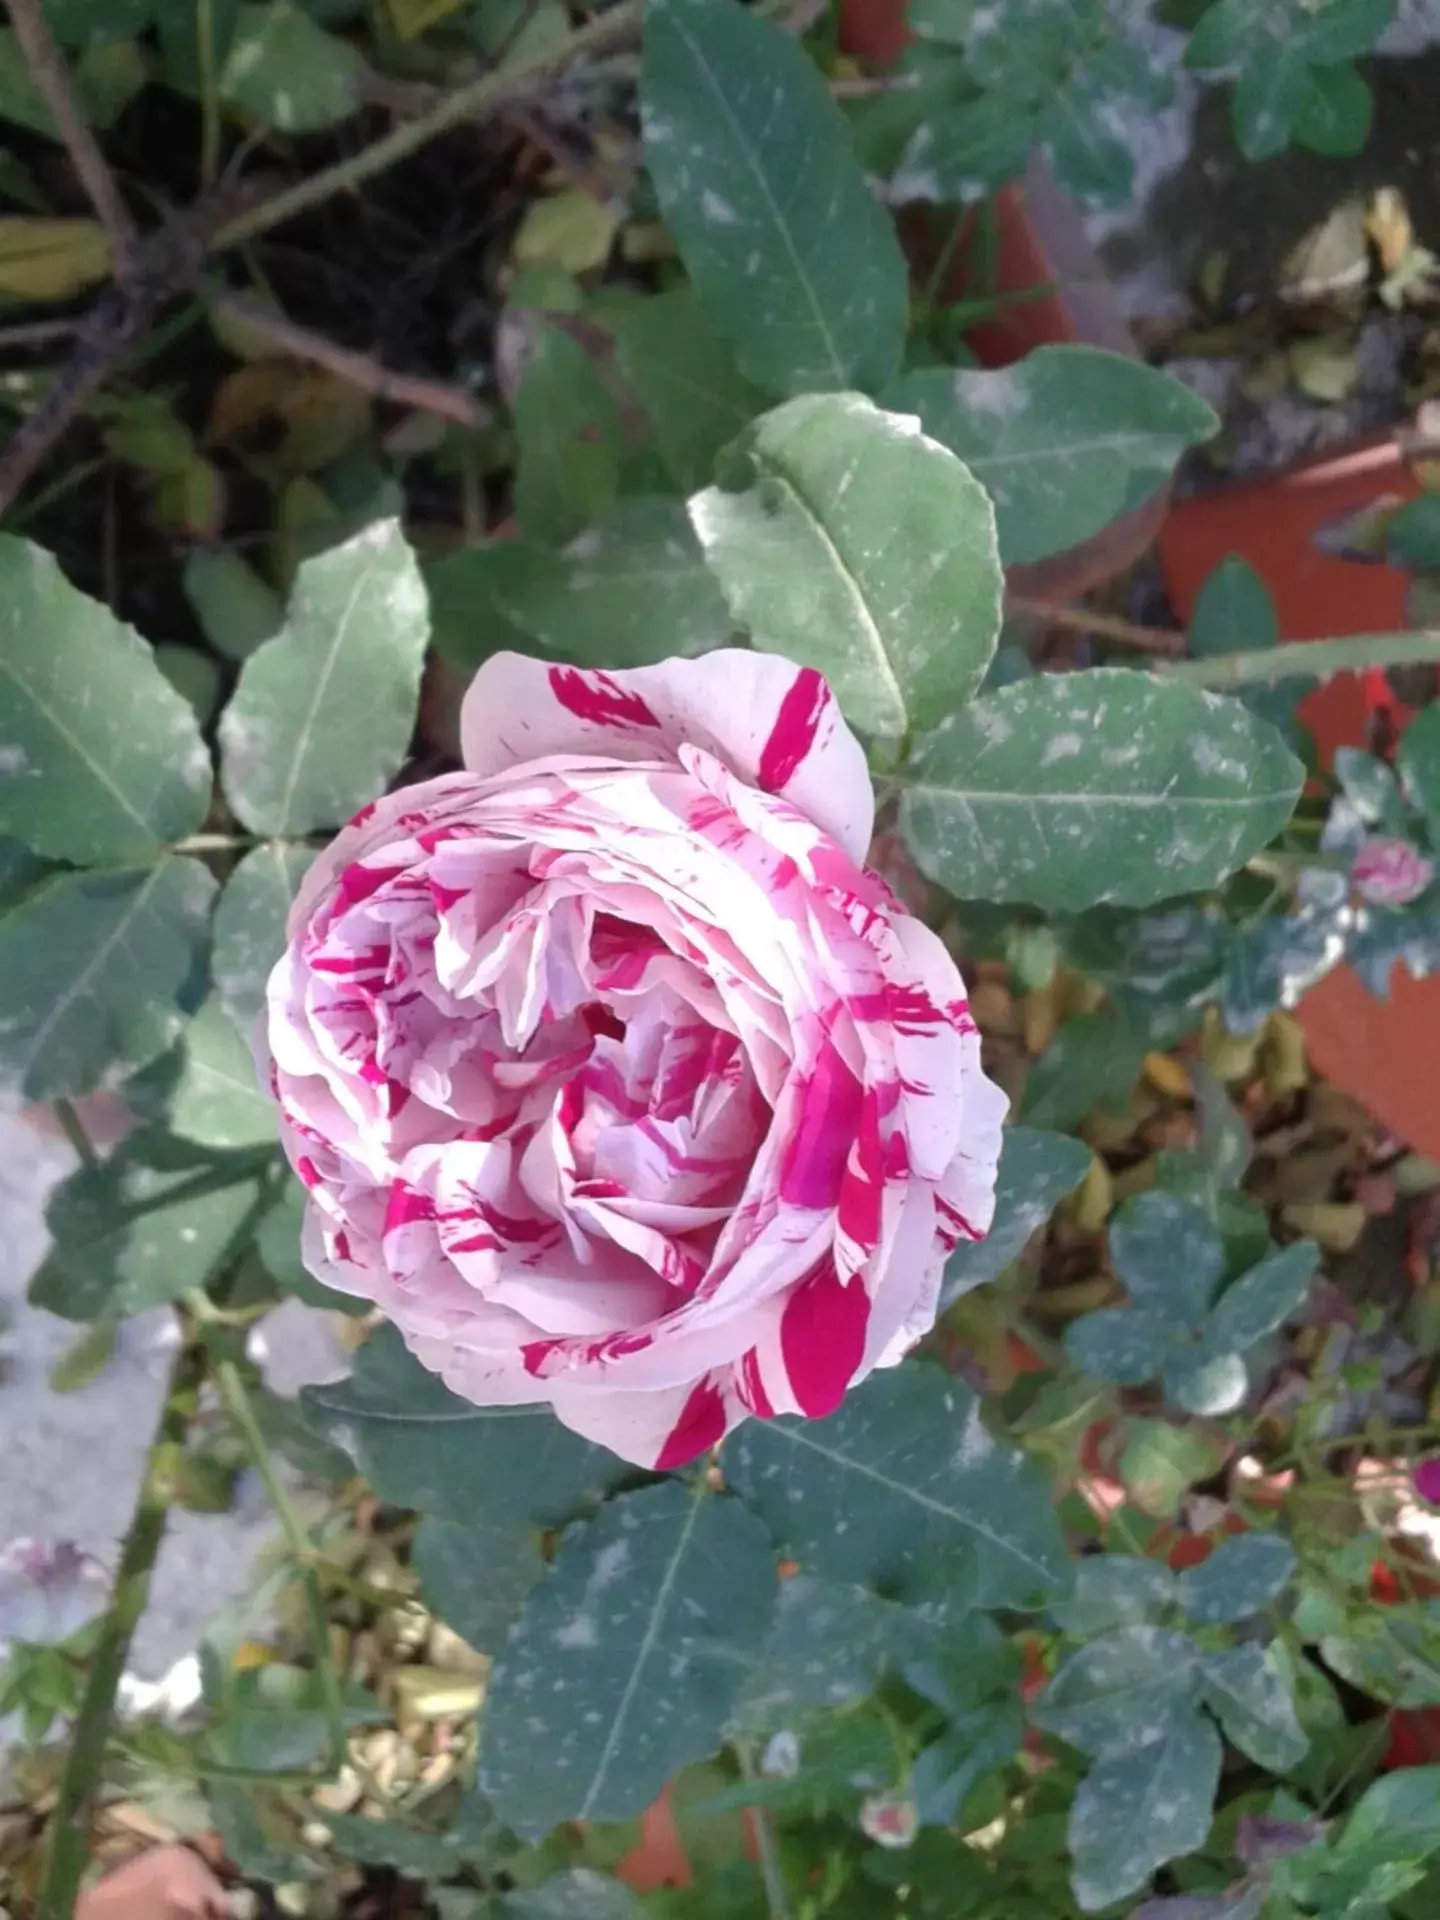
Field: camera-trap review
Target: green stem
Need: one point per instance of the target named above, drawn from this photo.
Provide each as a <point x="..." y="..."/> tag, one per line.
<point x="767" y="1854"/>
<point x="490" y="90"/>
<point x="80" y="1780"/>
<point x="1306" y="660"/>
<point x="235" y="1396"/>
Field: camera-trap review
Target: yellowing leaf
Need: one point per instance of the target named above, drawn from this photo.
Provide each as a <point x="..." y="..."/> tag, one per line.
<point x="571" y="230"/>
<point x="43" y="259"/>
<point x="412" y="17"/>
<point x="284" y="419"/>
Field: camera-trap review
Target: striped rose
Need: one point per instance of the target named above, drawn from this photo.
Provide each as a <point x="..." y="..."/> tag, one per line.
<point x="616" y="1080"/>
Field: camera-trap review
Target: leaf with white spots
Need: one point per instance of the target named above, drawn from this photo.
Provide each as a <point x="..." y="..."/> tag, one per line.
<point x="846" y="540"/>
<point x="149" y="1224"/>
<point x="101" y="761"/>
<point x="1240" y="1577"/>
<point x="628" y="1659"/>
<point x="567" y="434"/>
<point x="794" y="260"/>
<point x="906" y="1492"/>
<point x="829" y="1646"/>
<point x="1037" y="1170"/>
<point x="420" y="1445"/>
<point x="1108" y="1697"/>
<point x="1252" y="1698"/>
<point x="322" y="717"/>
<point x="249" y="930"/>
<point x="1140" y="1808"/>
<point x="629" y="592"/>
<point x="96" y="974"/>
<point x="1265" y="1297"/>
<point x="1064" y="442"/>
<point x="1071" y="789"/>
<point x="477" y="1576"/>
<point x="284" y="71"/>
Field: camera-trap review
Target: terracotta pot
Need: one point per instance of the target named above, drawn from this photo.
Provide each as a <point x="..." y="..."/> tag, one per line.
<point x="1040" y="241"/>
<point x="1374" y="1049"/>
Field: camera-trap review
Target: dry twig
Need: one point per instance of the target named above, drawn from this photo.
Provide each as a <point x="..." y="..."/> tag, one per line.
<point x="1104" y="626"/>
<point x="360" y="369"/>
<point x="47" y="69"/>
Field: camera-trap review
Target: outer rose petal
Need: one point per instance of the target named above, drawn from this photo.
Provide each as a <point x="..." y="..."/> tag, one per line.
<point x="774" y="724"/>
<point x="663" y="1430"/>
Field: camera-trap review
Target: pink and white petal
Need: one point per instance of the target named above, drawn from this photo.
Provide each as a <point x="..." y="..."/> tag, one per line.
<point x="663" y="1431"/>
<point x="776" y="724"/>
<point x="372" y="828"/>
<point x="965" y="1197"/>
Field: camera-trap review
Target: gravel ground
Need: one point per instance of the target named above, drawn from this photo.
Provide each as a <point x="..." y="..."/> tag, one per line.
<point x="72" y="1461"/>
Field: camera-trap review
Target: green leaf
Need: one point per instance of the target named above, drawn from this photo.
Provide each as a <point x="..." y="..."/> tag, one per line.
<point x="208" y="1091"/>
<point x="237" y="610"/>
<point x="794" y="259"/>
<point x="1168" y="1254"/>
<point x="83" y="23"/>
<point x="20" y="99"/>
<point x="579" y="1894"/>
<point x="1138" y="1809"/>
<point x="567" y="430"/>
<point x="628" y="1659"/>
<point x="97" y="973"/>
<point x="1402" y="1811"/>
<point x="960" y="154"/>
<point x="421" y="1446"/>
<point x="1418" y="760"/>
<point x="249" y="930"/>
<point x="477" y="1577"/>
<point x="629" y="592"/>
<point x="1114" y="1590"/>
<point x="178" y="23"/>
<point x="973" y="1745"/>
<point x="1241" y="1575"/>
<point x="285" y="72"/>
<point x="686" y="379"/>
<point x="1391" y="1653"/>
<point x="147" y="1225"/>
<point x="1336" y="112"/>
<point x="1093" y="1061"/>
<point x="1126" y="1345"/>
<point x="1224" y="1141"/>
<point x="1064" y="442"/>
<point x="1158" y="1463"/>
<point x="847" y="540"/>
<point x="1253" y="1701"/>
<point x="1204" y="1382"/>
<point x="1037" y="1170"/>
<point x="389" y="1843"/>
<point x="100" y="759"/>
<point x="829" y="1645"/>
<point x="1109" y="1697"/>
<point x="1234" y="612"/>
<point x="965" y="1523"/>
<point x="1264" y="1298"/>
<point x="322" y="717"/>
<point x="1072" y="789"/>
<point x="1412" y="537"/>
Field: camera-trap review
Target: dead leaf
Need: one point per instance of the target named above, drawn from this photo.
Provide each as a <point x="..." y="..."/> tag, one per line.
<point x="1325" y="367"/>
<point x="1388" y="227"/>
<point x="282" y="418"/>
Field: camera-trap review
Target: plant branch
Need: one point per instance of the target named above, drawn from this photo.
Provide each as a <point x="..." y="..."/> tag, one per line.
<point x="73" y="1129"/>
<point x="777" y="1900"/>
<point x="483" y="95"/>
<point x="359" y="369"/>
<point x="47" y="69"/>
<point x="1104" y="626"/>
<point x="80" y="1780"/>
<point x="235" y="1396"/>
<point x="1308" y="660"/>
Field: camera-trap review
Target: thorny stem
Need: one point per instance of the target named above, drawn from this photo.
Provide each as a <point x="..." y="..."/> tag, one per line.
<point x="1104" y="626"/>
<point x="1307" y="660"/>
<point x="80" y="1780"/>
<point x="485" y="94"/>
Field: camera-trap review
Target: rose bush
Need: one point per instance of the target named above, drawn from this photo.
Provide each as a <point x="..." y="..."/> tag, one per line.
<point x="615" y="1079"/>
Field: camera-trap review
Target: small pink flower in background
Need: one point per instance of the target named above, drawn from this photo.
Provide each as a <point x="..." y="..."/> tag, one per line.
<point x="48" y="1590"/>
<point x="889" y="1819"/>
<point x="1427" y="1480"/>
<point x="1390" y="873"/>
<point x="617" y="1081"/>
